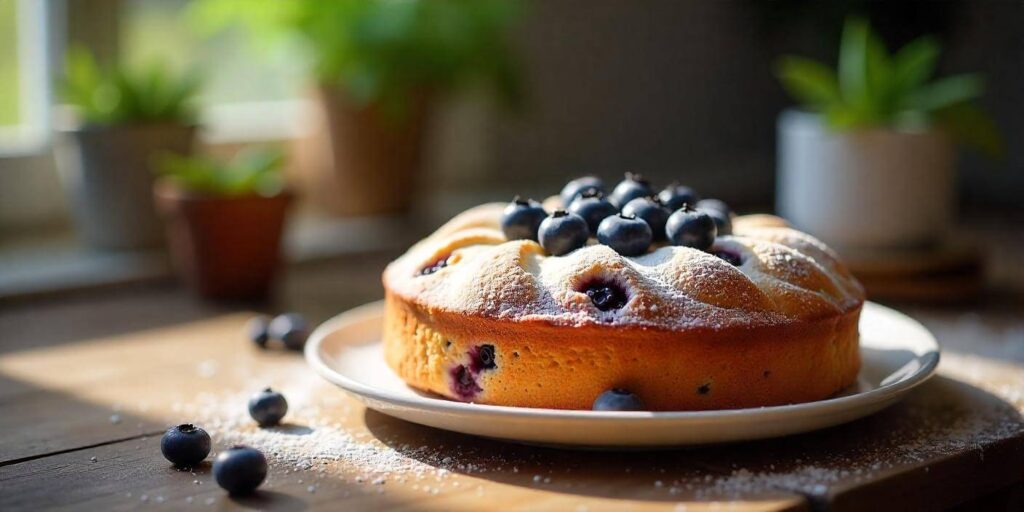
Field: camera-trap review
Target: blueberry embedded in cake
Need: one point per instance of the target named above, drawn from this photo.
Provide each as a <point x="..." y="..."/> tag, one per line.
<point x="523" y="304"/>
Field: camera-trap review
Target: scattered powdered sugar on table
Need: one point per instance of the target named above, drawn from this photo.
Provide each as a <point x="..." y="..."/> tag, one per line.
<point x="321" y="444"/>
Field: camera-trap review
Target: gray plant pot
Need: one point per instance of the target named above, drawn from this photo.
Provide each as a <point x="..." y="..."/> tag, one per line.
<point x="108" y="174"/>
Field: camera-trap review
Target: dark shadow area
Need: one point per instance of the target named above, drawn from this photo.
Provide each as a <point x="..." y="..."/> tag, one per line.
<point x="944" y="419"/>
<point x="266" y="500"/>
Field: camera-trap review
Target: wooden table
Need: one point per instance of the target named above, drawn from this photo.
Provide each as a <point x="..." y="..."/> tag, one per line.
<point x="88" y="384"/>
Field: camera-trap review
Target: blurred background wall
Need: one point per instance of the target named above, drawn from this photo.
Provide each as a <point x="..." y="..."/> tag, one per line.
<point x="674" y="90"/>
<point x="685" y="90"/>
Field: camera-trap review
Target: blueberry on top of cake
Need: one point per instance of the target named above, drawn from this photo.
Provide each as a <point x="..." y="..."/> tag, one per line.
<point x="556" y="315"/>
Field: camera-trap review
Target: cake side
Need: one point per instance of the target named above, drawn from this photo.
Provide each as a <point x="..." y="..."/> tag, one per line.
<point x="539" y="364"/>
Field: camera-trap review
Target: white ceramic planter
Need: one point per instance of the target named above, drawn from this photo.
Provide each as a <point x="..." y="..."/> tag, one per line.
<point x="866" y="189"/>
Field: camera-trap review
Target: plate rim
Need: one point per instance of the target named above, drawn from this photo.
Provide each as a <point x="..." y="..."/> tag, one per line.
<point x="881" y="394"/>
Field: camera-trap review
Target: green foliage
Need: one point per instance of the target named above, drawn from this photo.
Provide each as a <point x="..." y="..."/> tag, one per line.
<point x="122" y="95"/>
<point x="873" y="88"/>
<point x="385" y="51"/>
<point x="253" y="170"/>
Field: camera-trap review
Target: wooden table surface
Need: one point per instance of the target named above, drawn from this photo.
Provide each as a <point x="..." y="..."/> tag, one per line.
<point x="89" y="383"/>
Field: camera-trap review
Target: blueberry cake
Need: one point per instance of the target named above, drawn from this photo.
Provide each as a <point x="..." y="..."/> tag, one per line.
<point x="634" y="300"/>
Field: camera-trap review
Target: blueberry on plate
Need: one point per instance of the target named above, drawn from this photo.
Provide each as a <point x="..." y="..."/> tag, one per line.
<point x="675" y="196"/>
<point x="593" y="207"/>
<point x="630" y="188"/>
<point x="240" y="469"/>
<point x="185" y="445"/>
<point x="577" y="186"/>
<point x="257" y="328"/>
<point x="291" y="329"/>
<point x="521" y="219"/>
<point x="563" y="232"/>
<point x="691" y="228"/>
<point x="626" y="235"/>
<point x="650" y="211"/>
<point x="617" y="400"/>
<point x="268" y="407"/>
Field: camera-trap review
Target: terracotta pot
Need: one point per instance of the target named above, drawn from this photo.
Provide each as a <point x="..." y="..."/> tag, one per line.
<point x="107" y="171"/>
<point x="360" y="161"/>
<point x="224" y="247"/>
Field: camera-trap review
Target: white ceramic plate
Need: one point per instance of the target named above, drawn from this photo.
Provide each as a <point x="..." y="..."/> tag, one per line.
<point x="898" y="354"/>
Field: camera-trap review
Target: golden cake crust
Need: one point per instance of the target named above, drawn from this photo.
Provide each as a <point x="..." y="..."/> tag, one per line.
<point x="696" y="332"/>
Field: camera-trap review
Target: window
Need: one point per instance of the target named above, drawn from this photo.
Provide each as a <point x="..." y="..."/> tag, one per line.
<point x="249" y="94"/>
<point x="24" y="87"/>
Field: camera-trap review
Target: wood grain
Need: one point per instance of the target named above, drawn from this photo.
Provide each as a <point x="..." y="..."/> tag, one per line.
<point x="966" y="435"/>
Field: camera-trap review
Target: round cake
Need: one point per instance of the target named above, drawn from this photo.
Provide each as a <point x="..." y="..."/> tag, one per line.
<point x="766" y="315"/>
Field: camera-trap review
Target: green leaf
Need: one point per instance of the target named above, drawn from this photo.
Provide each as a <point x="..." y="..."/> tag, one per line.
<point x="879" y="77"/>
<point x="915" y="63"/>
<point x="972" y="127"/>
<point x="853" y="62"/>
<point x="809" y="81"/>
<point x="944" y="93"/>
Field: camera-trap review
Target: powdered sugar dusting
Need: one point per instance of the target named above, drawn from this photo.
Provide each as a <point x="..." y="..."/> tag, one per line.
<point x="784" y="275"/>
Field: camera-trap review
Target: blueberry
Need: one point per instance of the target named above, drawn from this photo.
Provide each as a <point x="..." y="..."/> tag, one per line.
<point x="577" y="186"/>
<point x="240" y="469"/>
<point x="691" y="228"/>
<point x="729" y="256"/>
<point x="185" y="445"/>
<point x="521" y="219"/>
<point x="675" y="196"/>
<point x="481" y="358"/>
<point x="650" y="211"/>
<point x="291" y="329"/>
<point x="722" y="221"/>
<point x="563" y="232"/>
<point x="713" y="204"/>
<point x="606" y="296"/>
<point x="257" y="329"/>
<point x="593" y="208"/>
<point x="463" y="383"/>
<point x="268" y="407"/>
<point x="628" y="236"/>
<point x="630" y="188"/>
<point x="434" y="267"/>
<point x="618" y="400"/>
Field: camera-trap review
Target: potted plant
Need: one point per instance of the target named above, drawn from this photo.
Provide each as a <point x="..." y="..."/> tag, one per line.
<point x="225" y="220"/>
<point x="379" y="66"/>
<point x="119" y="118"/>
<point x="869" y="163"/>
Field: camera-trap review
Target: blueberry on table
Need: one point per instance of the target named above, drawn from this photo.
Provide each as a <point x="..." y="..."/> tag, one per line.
<point x="291" y="329"/>
<point x="268" y="407"/>
<point x="650" y="211"/>
<point x="185" y="445"/>
<point x="628" y="236"/>
<point x="240" y="469"/>
<point x="630" y="188"/>
<point x="576" y="187"/>
<point x="257" y="327"/>
<point x="691" y="228"/>
<point x="594" y="208"/>
<point x="563" y="232"/>
<point x="618" y="400"/>
<point x="675" y="196"/>
<point x="521" y="219"/>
